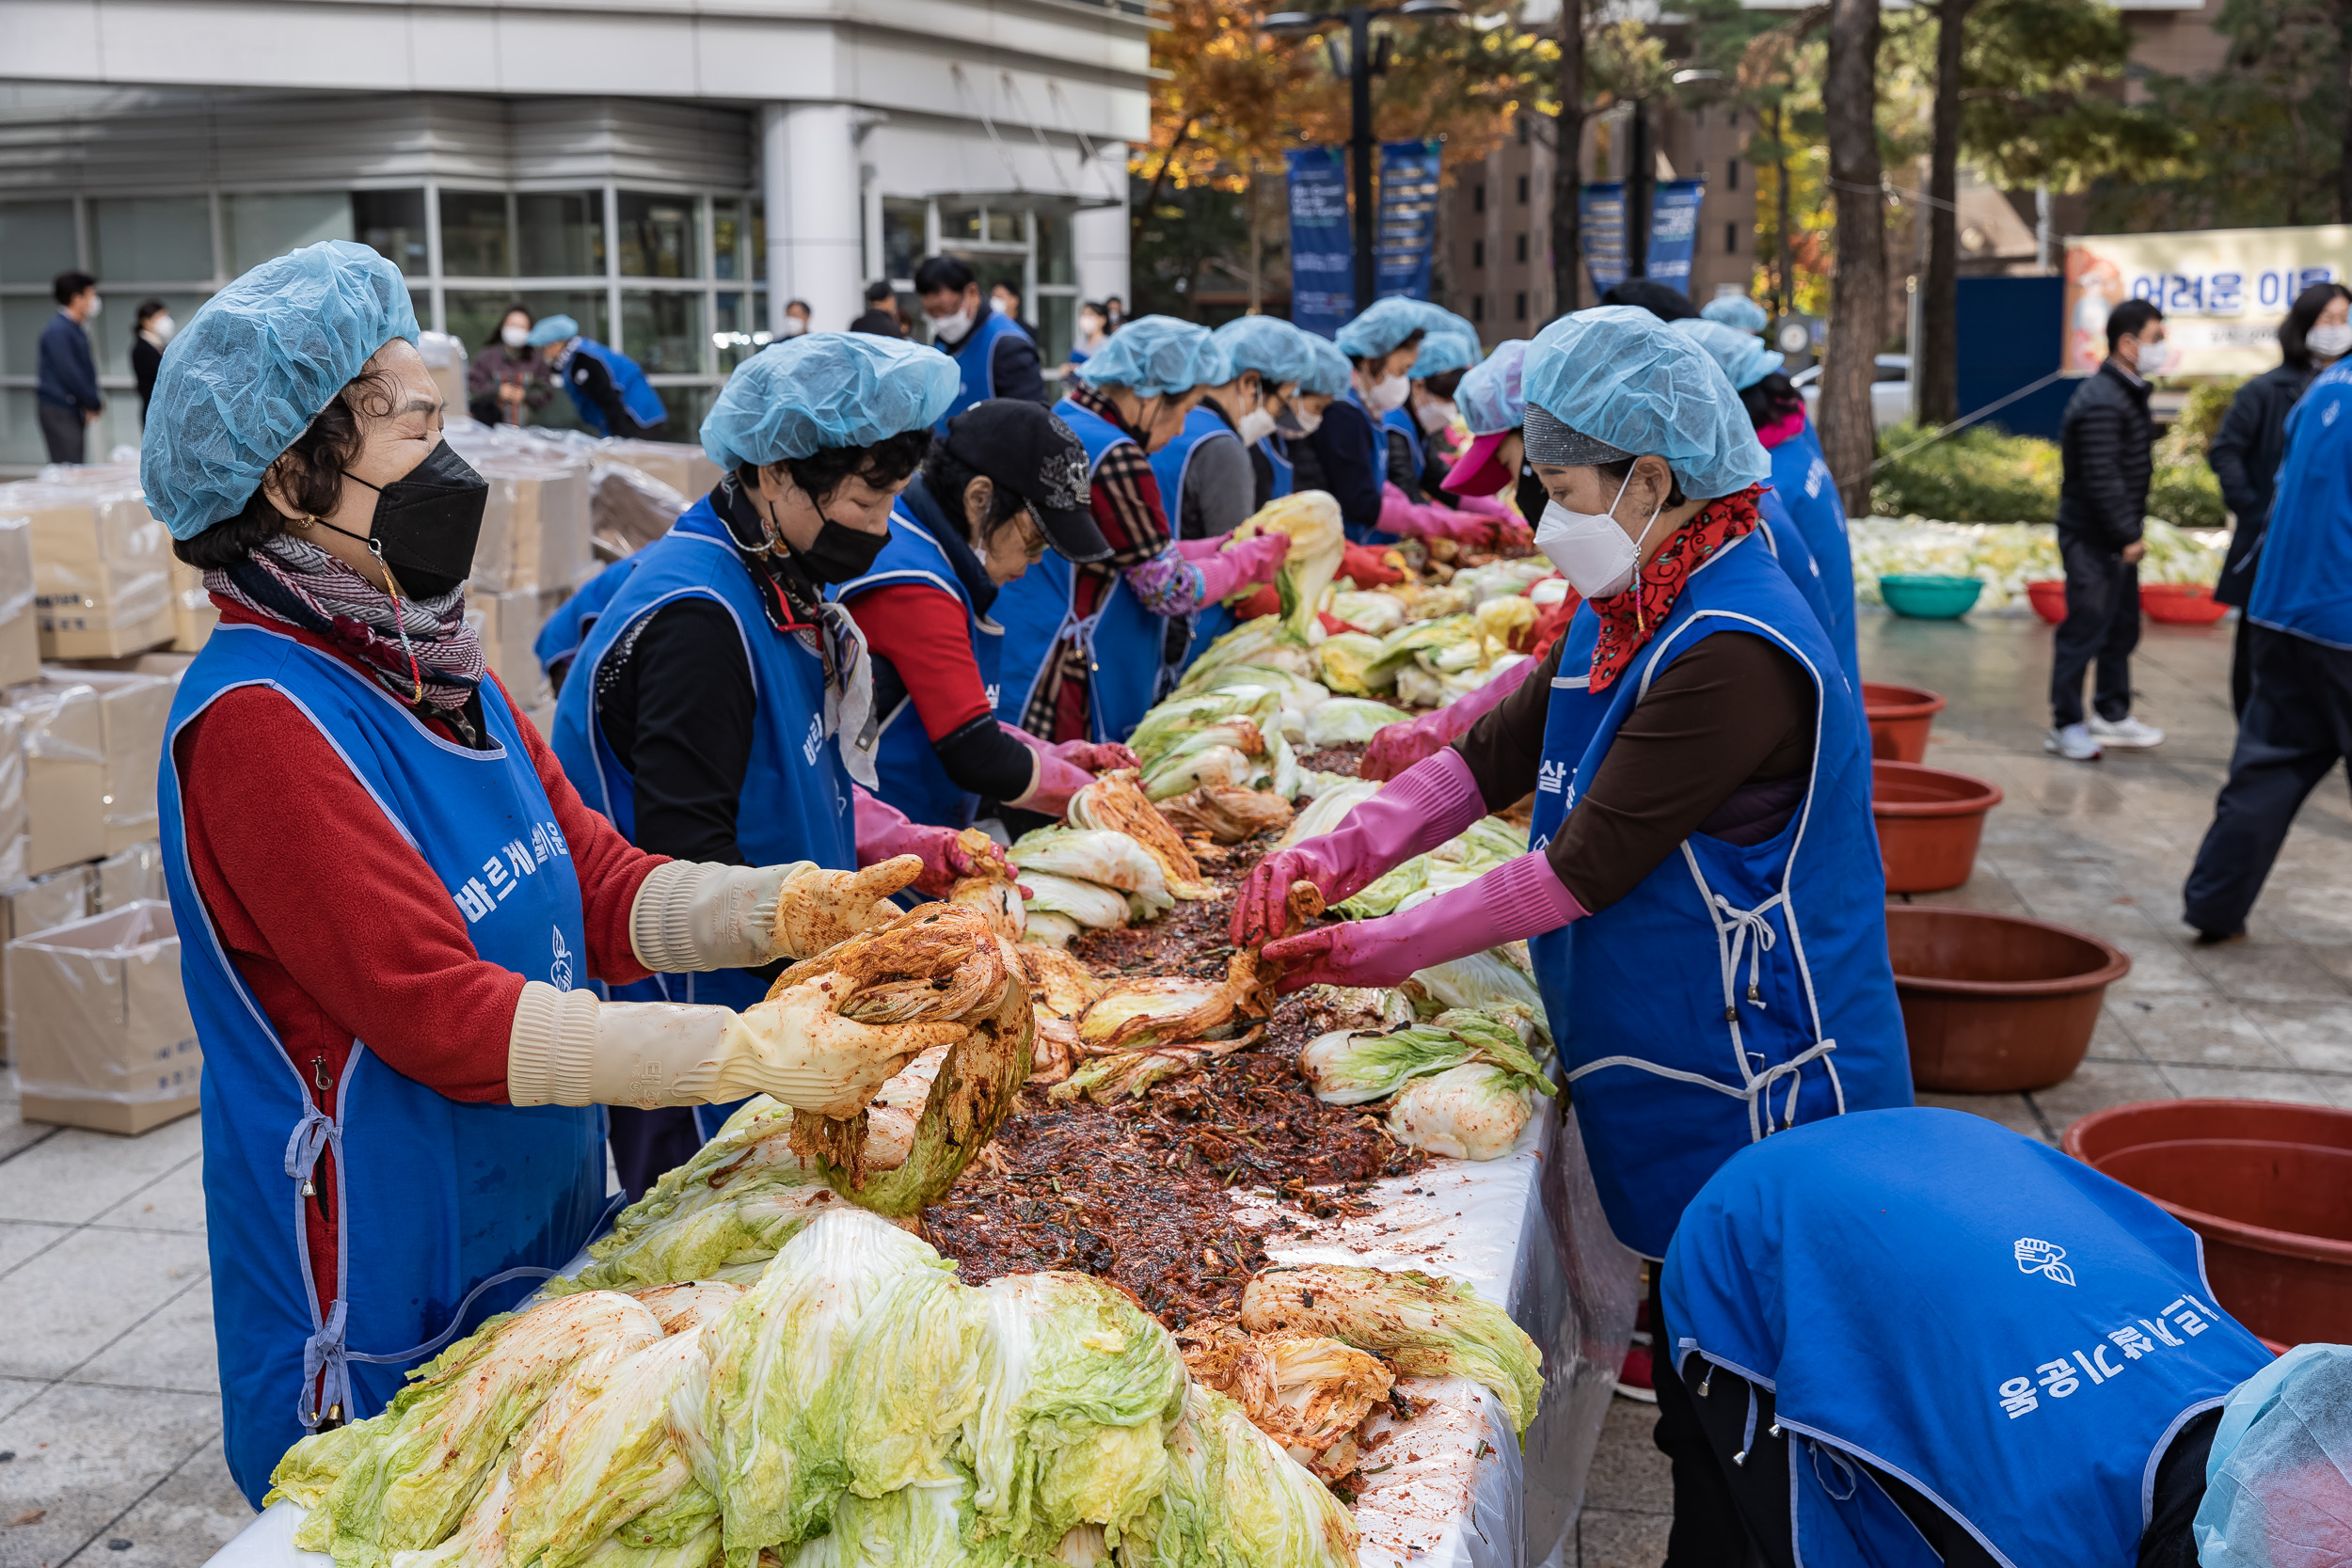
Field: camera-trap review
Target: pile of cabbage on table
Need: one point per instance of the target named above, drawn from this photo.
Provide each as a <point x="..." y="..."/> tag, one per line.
<point x="855" y="1405"/>
<point x="2007" y="556"/>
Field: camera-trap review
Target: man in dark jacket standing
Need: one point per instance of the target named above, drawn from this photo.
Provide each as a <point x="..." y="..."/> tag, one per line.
<point x="2246" y="453"/>
<point x="2104" y="440"/>
<point x="66" y="389"/>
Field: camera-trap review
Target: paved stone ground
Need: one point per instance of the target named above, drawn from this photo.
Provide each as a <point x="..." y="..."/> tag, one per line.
<point x="109" y="1422"/>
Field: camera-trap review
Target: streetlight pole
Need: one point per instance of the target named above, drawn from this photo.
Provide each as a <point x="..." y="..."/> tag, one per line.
<point x="1360" y="147"/>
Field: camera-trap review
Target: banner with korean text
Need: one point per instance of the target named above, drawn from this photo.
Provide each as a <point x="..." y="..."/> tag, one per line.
<point x="2223" y="291"/>
<point x="1323" y="257"/>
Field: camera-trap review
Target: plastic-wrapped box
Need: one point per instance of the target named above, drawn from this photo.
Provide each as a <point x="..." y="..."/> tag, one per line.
<point x="102" y="1029"/>
<point x="128" y="876"/>
<point x="535" y="526"/>
<point x="680" y="465"/>
<point x="20" y="620"/>
<point x="445" y="362"/>
<point x="15" y="842"/>
<point x="102" y="567"/>
<point x="630" y="508"/>
<point x="193" y="614"/>
<point x="28" y="908"/>
<point x="132" y="709"/>
<point x="65" y="773"/>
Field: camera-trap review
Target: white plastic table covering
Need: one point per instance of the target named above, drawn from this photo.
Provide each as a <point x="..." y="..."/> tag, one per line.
<point x="1526" y="1232"/>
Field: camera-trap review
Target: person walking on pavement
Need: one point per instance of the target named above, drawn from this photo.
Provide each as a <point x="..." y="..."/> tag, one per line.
<point x="66" y="389"/>
<point x="2298" y="715"/>
<point x="2104" y="440"/>
<point x="2253" y="437"/>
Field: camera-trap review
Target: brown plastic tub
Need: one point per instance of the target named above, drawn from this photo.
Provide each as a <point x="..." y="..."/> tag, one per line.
<point x="1899" y="717"/>
<point x="2267" y="1185"/>
<point x="1929" y="823"/>
<point x="1992" y="1004"/>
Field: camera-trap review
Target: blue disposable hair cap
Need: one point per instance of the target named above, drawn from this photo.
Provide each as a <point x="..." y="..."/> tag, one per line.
<point x="1492" y="397"/>
<point x="1158" y="356"/>
<point x="551" y="329"/>
<point x="1269" y="345"/>
<point x="1619" y="375"/>
<point x="1735" y="311"/>
<point x="826" y="389"/>
<point x="1381" y="325"/>
<point x="1745" y="357"/>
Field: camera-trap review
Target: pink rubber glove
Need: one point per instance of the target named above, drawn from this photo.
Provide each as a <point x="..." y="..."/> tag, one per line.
<point x="1487" y="506"/>
<point x="1057" y="777"/>
<point x="1242" y="565"/>
<point x="1520" y="897"/>
<point x="1399" y="746"/>
<point x="1199" y="550"/>
<point x="1414" y="814"/>
<point x="1407" y="518"/>
<point x="1095" y="757"/>
<point x="884" y="831"/>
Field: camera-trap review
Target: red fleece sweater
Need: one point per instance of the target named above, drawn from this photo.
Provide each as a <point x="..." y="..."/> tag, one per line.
<point x="274" y="818"/>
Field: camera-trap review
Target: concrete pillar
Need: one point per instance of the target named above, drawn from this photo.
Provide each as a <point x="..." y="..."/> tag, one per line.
<point x="1098" y="235"/>
<point x="809" y="180"/>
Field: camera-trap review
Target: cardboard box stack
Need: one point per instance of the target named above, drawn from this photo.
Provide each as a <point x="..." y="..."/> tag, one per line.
<point x="101" y="563"/>
<point x="66" y="772"/>
<point x="132" y="709"/>
<point x="681" y="465"/>
<point x="101" y="1028"/>
<point x="28" y="908"/>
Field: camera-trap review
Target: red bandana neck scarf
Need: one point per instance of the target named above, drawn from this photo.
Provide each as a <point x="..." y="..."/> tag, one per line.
<point x="1629" y="620"/>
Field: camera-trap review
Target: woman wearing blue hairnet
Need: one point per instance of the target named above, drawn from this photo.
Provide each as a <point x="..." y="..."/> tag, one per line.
<point x="1347" y="455"/>
<point x="1914" y="1337"/>
<point x="1086" y="643"/>
<point x="388" y="891"/>
<point x="702" y="712"/>
<point x="1702" y="896"/>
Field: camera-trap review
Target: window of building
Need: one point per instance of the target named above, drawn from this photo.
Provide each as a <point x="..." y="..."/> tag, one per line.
<point x="153" y="239"/>
<point x="1478" y="308"/>
<point x="391" y="223"/>
<point x="1522" y="247"/>
<point x="1731" y="174"/>
<point x="901" y="241"/>
<point x="1731" y="239"/>
<point x="259" y="228"/>
<point x="1519" y="304"/>
<point x="37" y="242"/>
<point x="477" y="234"/>
<point x="561" y="233"/>
<point x="1478" y="253"/>
<point x="1522" y="130"/>
<point x="1478" y="196"/>
<point x="665" y="331"/>
<point x="660" y="235"/>
<point x="1522" y="190"/>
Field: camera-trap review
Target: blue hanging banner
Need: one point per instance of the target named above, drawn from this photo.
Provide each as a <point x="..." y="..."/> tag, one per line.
<point x="1409" y="217"/>
<point x="1323" y="257"/>
<point x="1600" y="225"/>
<point x="1673" y="228"/>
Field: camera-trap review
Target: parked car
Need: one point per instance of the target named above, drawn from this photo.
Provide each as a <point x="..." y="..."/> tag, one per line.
<point x="1890" y="389"/>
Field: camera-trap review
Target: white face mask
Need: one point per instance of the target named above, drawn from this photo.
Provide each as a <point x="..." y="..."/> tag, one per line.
<point x="2329" y="342"/>
<point x="1590" y="550"/>
<point x="1390" y="393"/>
<point x="951" y="329"/>
<point x="96" y="304"/>
<point x="999" y="304"/>
<point x="164" y="326"/>
<point x="1089" y="327"/>
<point x="793" y="328"/>
<point x="1433" y="416"/>
<point x="1298" y="423"/>
<point x="2153" y="357"/>
<point x="1256" y="426"/>
<point x="514" y="336"/>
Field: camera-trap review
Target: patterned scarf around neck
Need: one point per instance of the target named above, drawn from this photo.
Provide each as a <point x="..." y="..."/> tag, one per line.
<point x="420" y="650"/>
<point x="1630" y="619"/>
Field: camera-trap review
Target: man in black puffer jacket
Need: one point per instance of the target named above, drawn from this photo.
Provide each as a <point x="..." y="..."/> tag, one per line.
<point x="2104" y="439"/>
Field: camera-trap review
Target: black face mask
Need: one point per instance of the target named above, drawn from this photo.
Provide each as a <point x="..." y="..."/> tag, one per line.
<point x="427" y="523"/>
<point x="1532" y="495"/>
<point x="839" y="554"/>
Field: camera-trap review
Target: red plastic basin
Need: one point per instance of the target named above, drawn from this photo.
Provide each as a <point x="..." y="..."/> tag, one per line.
<point x="2048" y="598"/>
<point x="1899" y="716"/>
<point x="2181" y="604"/>
<point x="1929" y="822"/>
<point x="1994" y="1003"/>
<point x="2267" y="1185"/>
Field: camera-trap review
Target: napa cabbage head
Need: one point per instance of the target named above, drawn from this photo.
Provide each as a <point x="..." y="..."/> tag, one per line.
<point x="1079" y="1388"/>
<point x="1318" y="542"/>
<point x="1348" y="1068"/>
<point x="1234" y="1496"/>
<point x="851" y="1364"/>
<point x="1349" y="722"/>
<point x="1474" y="1111"/>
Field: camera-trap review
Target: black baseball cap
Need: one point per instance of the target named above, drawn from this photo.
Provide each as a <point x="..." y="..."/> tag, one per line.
<point x="1025" y="448"/>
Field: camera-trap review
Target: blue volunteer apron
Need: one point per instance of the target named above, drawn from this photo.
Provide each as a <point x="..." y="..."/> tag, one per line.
<point x="637" y="395"/>
<point x="1376" y="461"/>
<point x="1781" y="536"/>
<point x="1800" y="478"/>
<point x="1278" y="457"/>
<point x="443" y="1212"/>
<point x="559" y="640"/>
<point x="1169" y="464"/>
<point x="1734" y="991"/>
<point x="908" y="774"/>
<point x="1400" y="421"/>
<point x="1121" y="639"/>
<point x="1995" y="1323"/>
<point x="976" y="362"/>
<point x="795" y="804"/>
<point x="2303" y="581"/>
